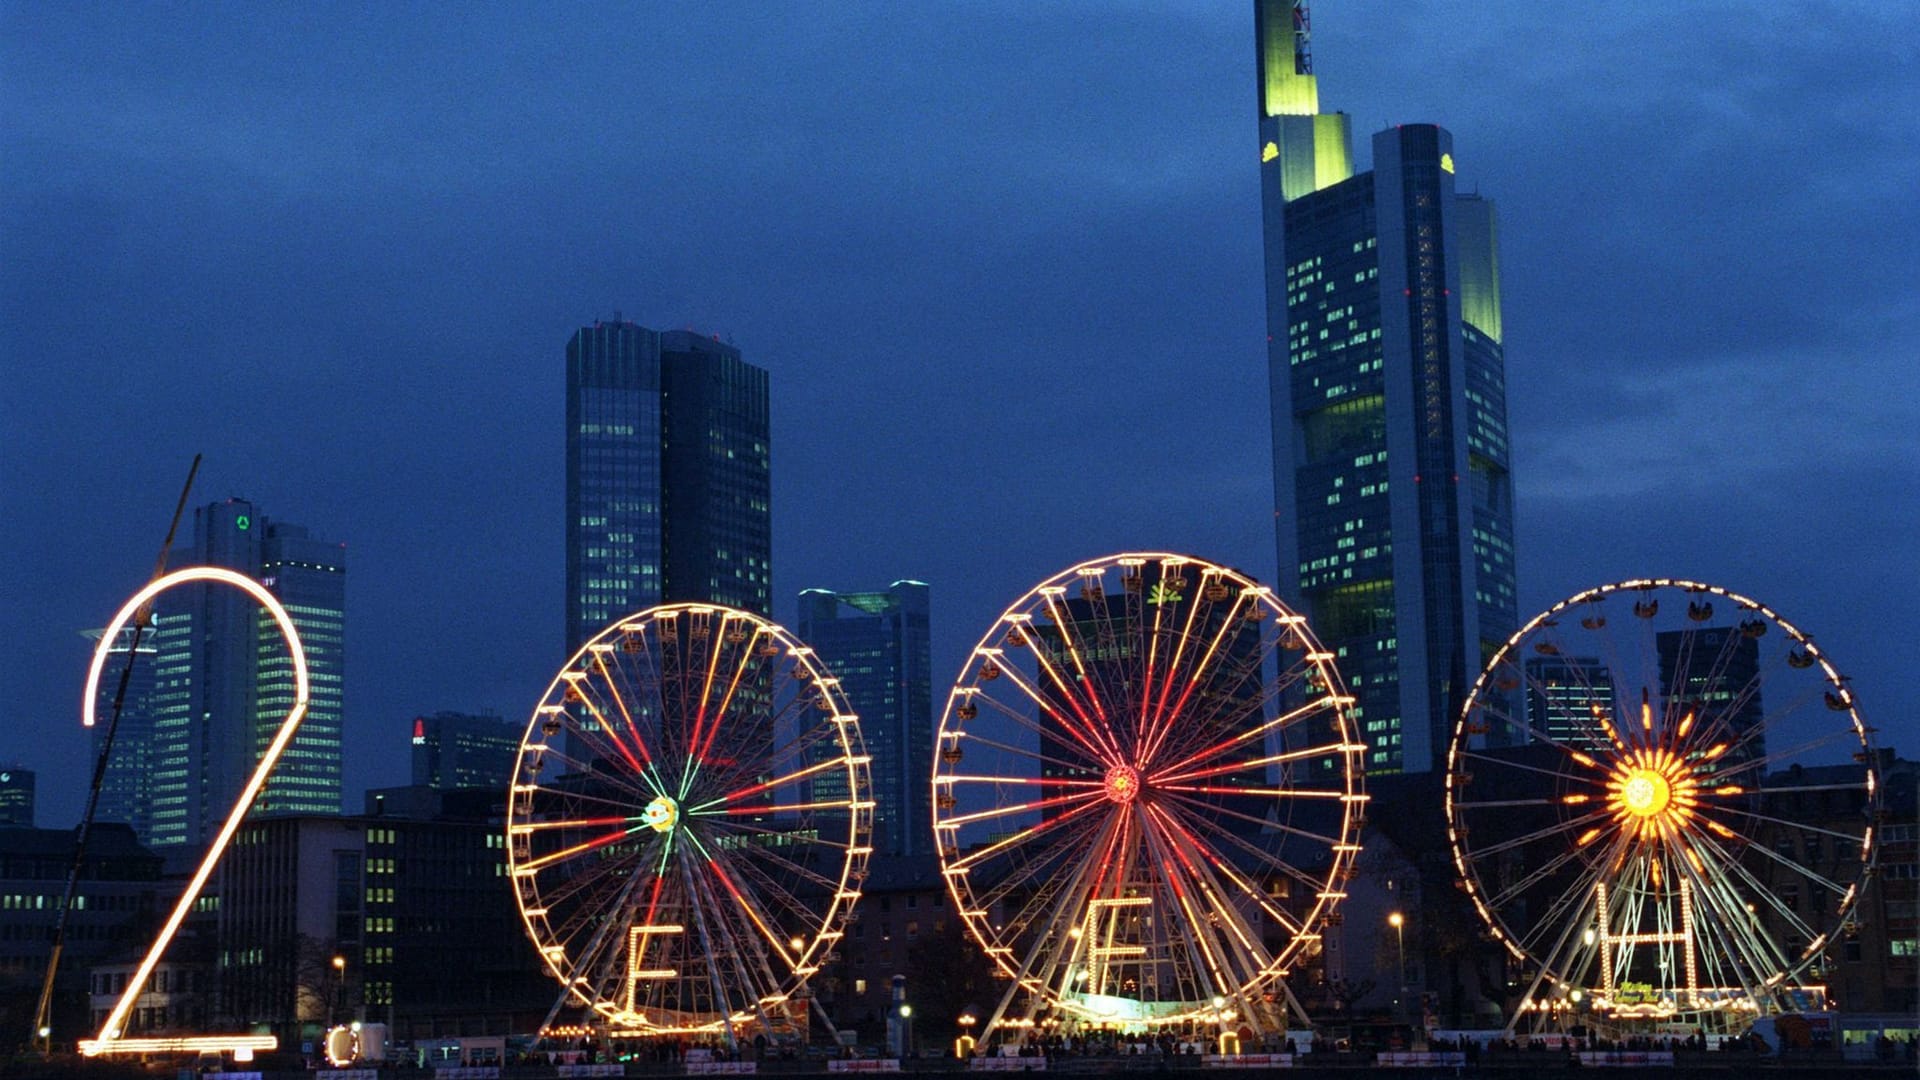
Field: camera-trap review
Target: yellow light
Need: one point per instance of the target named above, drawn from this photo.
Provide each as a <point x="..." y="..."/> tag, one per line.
<point x="212" y="1043"/>
<point x="116" y="1019"/>
<point x="1446" y="162"/>
<point x="1396" y="920"/>
<point x="1645" y="793"/>
<point x="1269" y="152"/>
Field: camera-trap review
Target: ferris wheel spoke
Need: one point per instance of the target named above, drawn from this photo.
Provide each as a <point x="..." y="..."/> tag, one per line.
<point x="1198" y="934"/>
<point x="978" y="855"/>
<point x="1582" y="893"/>
<point x="1023" y="808"/>
<point x="1096" y="739"/>
<point x="1154" y="717"/>
<point x="1202" y="810"/>
<point x="1200" y="733"/>
<point x="1546" y="870"/>
<point x="745" y="855"/>
<point x="1065" y="626"/>
<point x="1306" y="753"/>
<point x="768" y="785"/>
<point x="1241" y="883"/>
<point x="612" y="689"/>
<point x="1010" y="881"/>
<point x="1201" y="866"/>
<point x="1753" y="950"/>
<point x="1205" y="819"/>
<point x="1018" y="752"/>
<point x="1280" y="722"/>
<point x="576" y="850"/>
<point x="1076" y="743"/>
<point x="1795" y="825"/>
<point x="1061" y="684"/>
<point x="1237" y="675"/>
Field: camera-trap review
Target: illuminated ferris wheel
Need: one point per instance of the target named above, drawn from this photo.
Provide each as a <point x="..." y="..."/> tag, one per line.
<point x="1147" y="798"/>
<point x="1662" y="800"/>
<point x="689" y="825"/>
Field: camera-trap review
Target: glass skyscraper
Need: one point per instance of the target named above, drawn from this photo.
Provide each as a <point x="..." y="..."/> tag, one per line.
<point x="668" y="489"/>
<point x="126" y="792"/>
<point x="878" y="645"/>
<point x="223" y="681"/>
<point x="1392" y="484"/>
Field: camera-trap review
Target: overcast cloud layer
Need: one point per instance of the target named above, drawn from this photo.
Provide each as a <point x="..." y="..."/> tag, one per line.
<point x="1003" y="264"/>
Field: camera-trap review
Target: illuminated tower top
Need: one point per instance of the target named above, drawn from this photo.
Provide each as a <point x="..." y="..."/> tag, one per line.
<point x="1302" y="149"/>
<point x="1287" y="85"/>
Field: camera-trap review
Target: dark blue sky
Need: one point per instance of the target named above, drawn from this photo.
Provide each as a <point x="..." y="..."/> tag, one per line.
<point x="1002" y="261"/>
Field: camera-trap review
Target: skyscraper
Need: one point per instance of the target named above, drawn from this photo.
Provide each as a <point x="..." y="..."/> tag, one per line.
<point x="458" y="750"/>
<point x="1392" y="494"/>
<point x="1565" y="694"/>
<point x="877" y="644"/>
<point x="667" y="475"/>
<point x="126" y="792"/>
<point x="223" y="682"/>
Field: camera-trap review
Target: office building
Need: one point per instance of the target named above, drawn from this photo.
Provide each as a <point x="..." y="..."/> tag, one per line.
<point x="667" y="476"/>
<point x="122" y="894"/>
<point x="412" y="901"/>
<point x="878" y="645"/>
<point x="1565" y="694"/>
<point x="126" y="791"/>
<point x="223" y="680"/>
<point x="16" y="796"/>
<point x="1393" y="499"/>
<point x="1714" y="673"/>
<point x="459" y="750"/>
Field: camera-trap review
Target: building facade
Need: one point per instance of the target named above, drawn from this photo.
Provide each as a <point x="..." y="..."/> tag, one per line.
<point x="667" y="475"/>
<point x="879" y="646"/>
<point x="1564" y="694"/>
<point x="117" y="907"/>
<point x="126" y="791"/>
<point x="460" y="750"/>
<point x="1392" y="487"/>
<point x="223" y="681"/>
<point x="413" y="904"/>
<point x="16" y="796"/>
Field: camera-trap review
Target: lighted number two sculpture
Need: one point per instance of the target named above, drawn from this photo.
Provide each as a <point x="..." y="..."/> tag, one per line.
<point x="108" y="1040"/>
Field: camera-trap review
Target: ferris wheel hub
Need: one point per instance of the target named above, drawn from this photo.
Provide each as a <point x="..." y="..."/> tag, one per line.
<point x="1645" y="793"/>
<point x="1123" y="783"/>
<point x="661" y="814"/>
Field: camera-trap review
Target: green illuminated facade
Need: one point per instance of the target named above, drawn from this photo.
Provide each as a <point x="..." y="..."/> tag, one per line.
<point x="223" y="679"/>
<point x="1392" y="483"/>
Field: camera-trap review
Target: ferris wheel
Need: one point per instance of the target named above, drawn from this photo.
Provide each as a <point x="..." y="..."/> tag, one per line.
<point x="689" y="825"/>
<point x="1662" y="799"/>
<point x="1147" y="798"/>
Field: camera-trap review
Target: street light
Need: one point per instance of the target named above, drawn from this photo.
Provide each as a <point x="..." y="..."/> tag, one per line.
<point x="339" y="985"/>
<point x="1399" y="924"/>
<point x="963" y="1046"/>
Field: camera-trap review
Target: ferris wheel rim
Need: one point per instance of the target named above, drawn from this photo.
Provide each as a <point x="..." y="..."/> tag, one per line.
<point x="789" y="971"/>
<point x="1026" y="611"/>
<point x="1461" y="755"/>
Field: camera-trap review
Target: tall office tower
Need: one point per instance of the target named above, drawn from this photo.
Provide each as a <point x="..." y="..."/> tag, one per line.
<point x="16" y="796"/>
<point x="1392" y="495"/>
<point x="224" y="681"/>
<point x="126" y="792"/>
<point x="667" y="475"/>
<point x="878" y="645"/>
<point x="1714" y="673"/>
<point x="458" y="750"/>
<point x="1564" y="694"/>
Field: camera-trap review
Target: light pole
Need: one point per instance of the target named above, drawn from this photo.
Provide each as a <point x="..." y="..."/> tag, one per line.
<point x="1399" y="924"/>
<point x="339" y="987"/>
<point x="963" y="1046"/>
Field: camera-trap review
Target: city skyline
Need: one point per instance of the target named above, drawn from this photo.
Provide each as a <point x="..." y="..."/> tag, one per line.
<point x="968" y="320"/>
